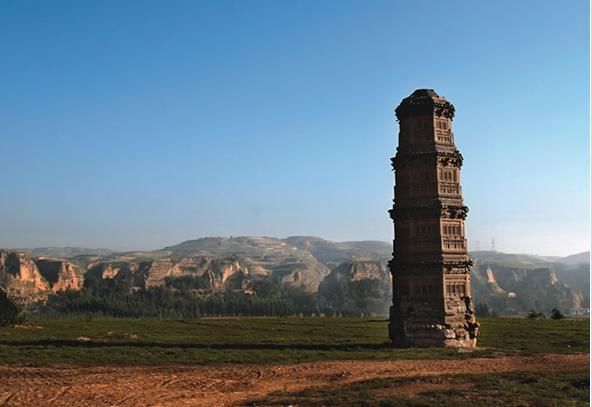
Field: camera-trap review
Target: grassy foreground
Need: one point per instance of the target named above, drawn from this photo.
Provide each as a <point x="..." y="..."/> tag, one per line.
<point x="261" y="340"/>
<point x="502" y="389"/>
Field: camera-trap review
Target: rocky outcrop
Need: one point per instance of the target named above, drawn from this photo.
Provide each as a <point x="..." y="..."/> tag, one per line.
<point x="492" y="284"/>
<point x="538" y="277"/>
<point x="288" y="265"/>
<point x="156" y="271"/>
<point x="60" y="275"/>
<point x="212" y="274"/>
<point x="509" y="289"/>
<point x="117" y="272"/>
<point x="26" y="279"/>
<point x="302" y="275"/>
<point x="20" y="277"/>
<point x="216" y="274"/>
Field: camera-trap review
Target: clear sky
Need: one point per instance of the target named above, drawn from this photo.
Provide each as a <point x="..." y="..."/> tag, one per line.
<point x="139" y="124"/>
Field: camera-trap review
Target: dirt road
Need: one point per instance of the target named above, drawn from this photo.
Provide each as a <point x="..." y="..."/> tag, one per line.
<point x="232" y="385"/>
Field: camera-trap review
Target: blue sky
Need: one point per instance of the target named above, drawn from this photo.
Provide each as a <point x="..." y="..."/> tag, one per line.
<point x="139" y="124"/>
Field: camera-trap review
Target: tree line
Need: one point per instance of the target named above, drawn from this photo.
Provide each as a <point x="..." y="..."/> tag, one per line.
<point x="184" y="298"/>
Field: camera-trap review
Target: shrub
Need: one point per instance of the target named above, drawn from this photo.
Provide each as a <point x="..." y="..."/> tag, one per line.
<point x="536" y="315"/>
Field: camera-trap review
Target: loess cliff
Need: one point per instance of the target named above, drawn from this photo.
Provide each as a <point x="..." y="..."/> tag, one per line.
<point x="29" y="279"/>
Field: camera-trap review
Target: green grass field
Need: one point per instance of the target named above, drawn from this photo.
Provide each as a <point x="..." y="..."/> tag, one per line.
<point x="261" y="340"/>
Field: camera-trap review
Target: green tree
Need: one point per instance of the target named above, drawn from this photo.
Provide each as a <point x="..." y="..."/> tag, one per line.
<point x="8" y="309"/>
<point x="482" y="310"/>
<point x="556" y="314"/>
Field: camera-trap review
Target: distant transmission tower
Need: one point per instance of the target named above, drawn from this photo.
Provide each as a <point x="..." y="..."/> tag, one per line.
<point x="492" y="245"/>
<point x="477" y="245"/>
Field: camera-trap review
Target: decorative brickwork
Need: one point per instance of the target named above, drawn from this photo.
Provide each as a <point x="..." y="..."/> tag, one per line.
<point x="432" y="304"/>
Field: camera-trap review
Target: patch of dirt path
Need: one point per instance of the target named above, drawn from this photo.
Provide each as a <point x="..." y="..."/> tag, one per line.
<point x="235" y="384"/>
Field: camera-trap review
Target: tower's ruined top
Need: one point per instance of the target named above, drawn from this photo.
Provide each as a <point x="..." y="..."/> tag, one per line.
<point x="424" y="102"/>
<point x="425" y="92"/>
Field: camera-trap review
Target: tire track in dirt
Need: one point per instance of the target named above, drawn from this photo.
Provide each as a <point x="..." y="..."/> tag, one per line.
<point x="234" y="384"/>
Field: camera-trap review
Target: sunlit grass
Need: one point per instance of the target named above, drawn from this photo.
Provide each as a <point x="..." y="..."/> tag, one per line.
<point x="261" y="340"/>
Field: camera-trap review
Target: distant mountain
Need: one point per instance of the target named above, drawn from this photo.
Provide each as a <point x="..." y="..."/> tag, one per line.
<point x="575" y="259"/>
<point x="243" y="246"/>
<point x="341" y="272"/>
<point x="514" y="283"/>
<point x="511" y="259"/>
<point x="287" y="264"/>
<point x="65" y="252"/>
<point x="334" y="253"/>
<point x="303" y="259"/>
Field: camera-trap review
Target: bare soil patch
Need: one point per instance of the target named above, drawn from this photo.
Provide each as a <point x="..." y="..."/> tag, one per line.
<point x="236" y="384"/>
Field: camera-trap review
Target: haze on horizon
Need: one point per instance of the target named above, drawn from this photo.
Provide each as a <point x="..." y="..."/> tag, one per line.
<point x="137" y="125"/>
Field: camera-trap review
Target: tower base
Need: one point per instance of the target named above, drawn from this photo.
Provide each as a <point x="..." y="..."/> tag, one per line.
<point x="412" y="330"/>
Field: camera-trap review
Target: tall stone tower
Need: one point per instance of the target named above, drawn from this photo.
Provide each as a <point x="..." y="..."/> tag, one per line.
<point x="432" y="303"/>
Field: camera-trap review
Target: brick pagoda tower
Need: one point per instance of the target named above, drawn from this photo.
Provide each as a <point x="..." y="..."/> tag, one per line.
<point x="432" y="303"/>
